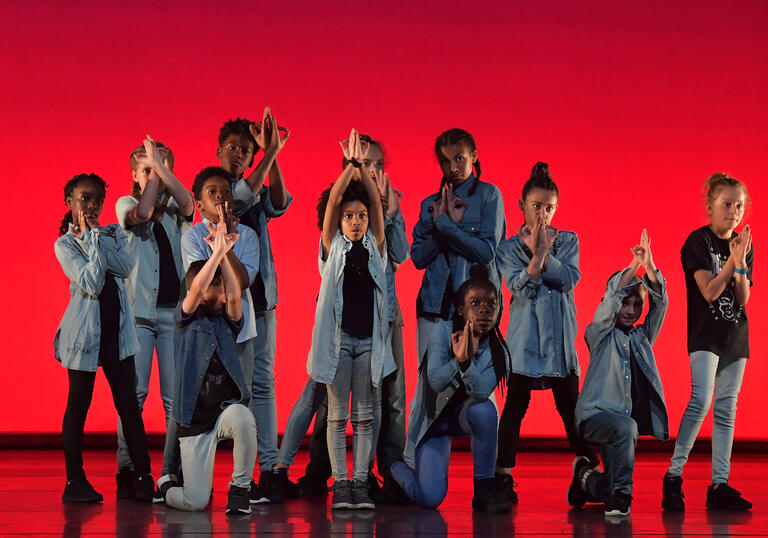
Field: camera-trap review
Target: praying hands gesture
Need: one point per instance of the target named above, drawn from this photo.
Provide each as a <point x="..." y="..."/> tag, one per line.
<point x="449" y="203"/>
<point x="355" y="149"/>
<point x="539" y="237"/>
<point x="220" y="240"/>
<point x="390" y="197"/>
<point x="269" y="136"/>
<point x="641" y="257"/>
<point x="740" y="247"/>
<point x="84" y="222"/>
<point x="465" y="343"/>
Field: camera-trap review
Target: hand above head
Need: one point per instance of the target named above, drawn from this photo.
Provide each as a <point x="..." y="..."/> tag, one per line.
<point x="152" y="157"/>
<point x="641" y="254"/>
<point x="393" y="198"/>
<point x="259" y="130"/>
<point x="465" y="343"/>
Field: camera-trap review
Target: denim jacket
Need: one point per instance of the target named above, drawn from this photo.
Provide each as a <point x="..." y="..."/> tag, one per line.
<point x="142" y="283"/>
<point x="326" y="334"/>
<point x="448" y="249"/>
<point x="542" y="313"/>
<point x="194" y="247"/>
<point x="397" y="253"/>
<point x="608" y="383"/>
<point x="260" y="209"/>
<point x="86" y="261"/>
<point x="199" y="340"/>
<point x="439" y="380"/>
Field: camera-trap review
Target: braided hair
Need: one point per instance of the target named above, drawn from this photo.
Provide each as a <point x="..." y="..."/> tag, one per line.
<point x="69" y="189"/>
<point x="500" y="355"/>
<point x="458" y="136"/>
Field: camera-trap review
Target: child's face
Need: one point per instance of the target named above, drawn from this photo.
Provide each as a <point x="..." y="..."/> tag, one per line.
<point x="727" y="210"/>
<point x="629" y="313"/>
<point x="456" y="162"/>
<point x="374" y="161"/>
<point x="214" y="300"/>
<point x="142" y="174"/>
<point x="481" y="308"/>
<point x="538" y="202"/>
<point x="87" y="197"/>
<point x="236" y="154"/>
<point x="216" y="191"/>
<point x="354" y="220"/>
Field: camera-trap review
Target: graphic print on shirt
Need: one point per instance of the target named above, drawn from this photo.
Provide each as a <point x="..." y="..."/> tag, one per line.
<point x="724" y="306"/>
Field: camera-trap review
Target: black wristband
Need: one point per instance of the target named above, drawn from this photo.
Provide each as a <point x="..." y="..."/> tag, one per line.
<point x="354" y="162"/>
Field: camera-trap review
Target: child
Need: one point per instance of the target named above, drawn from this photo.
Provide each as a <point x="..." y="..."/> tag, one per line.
<point x="154" y="217"/>
<point x="349" y="339"/>
<point x="541" y="268"/>
<point x="211" y="392"/>
<point x="462" y="224"/>
<point x="467" y="359"/>
<point x="718" y="274"/>
<point x="622" y="396"/>
<point x="255" y="205"/>
<point x="97" y="329"/>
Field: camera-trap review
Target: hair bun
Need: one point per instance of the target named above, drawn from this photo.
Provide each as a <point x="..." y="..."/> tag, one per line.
<point x="479" y="272"/>
<point x="540" y="170"/>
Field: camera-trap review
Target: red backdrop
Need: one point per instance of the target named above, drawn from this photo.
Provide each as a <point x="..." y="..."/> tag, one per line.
<point x="633" y="106"/>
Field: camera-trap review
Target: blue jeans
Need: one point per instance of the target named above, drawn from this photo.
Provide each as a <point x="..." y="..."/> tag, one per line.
<point x="158" y="336"/>
<point x="263" y="401"/>
<point x="723" y="376"/>
<point x="304" y="409"/>
<point x="353" y="377"/>
<point x="617" y="437"/>
<point x="427" y="483"/>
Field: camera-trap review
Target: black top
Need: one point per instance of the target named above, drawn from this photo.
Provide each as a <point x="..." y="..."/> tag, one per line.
<point x="168" y="284"/>
<point x="109" y="309"/>
<point x="641" y="397"/>
<point x="720" y="327"/>
<point x="251" y="219"/>
<point x="357" y="315"/>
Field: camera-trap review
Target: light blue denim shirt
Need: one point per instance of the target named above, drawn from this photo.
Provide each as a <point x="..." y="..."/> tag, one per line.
<point x="397" y="253"/>
<point x="194" y="247"/>
<point x="446" y="248"/>
<point x="258" y="208"/>
<point x="541" y="335"/>
<point x="326" y="334"/>
<point x="608" y="383"/>
<point x="438" y="381"/>
<point x="142" y="283"/>
<point x="86" y="260"/>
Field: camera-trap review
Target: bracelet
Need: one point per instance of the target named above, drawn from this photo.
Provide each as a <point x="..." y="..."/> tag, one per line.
<point x="354" y="162"/>
<point x="740" y="271"/>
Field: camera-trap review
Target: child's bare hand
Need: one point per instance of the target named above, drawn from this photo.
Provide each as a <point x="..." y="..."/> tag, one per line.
<point x="79" y="227"/>
<point x="455" y="206"/>
<point x="641" y="254"/>
<point x="464" y="343"/>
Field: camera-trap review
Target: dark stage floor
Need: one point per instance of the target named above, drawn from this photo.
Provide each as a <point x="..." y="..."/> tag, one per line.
<point x="30" y="504"/>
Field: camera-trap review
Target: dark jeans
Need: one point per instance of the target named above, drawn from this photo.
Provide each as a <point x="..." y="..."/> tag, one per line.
<point x="565" y="391"/>
<point x="121" y="376"/>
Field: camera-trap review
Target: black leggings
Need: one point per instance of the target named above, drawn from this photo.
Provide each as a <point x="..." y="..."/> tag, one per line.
<point x="564" y="390"/>
<point x="121" y="376"/>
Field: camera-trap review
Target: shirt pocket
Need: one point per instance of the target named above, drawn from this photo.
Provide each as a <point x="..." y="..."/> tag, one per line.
<point x="472" y="226"/>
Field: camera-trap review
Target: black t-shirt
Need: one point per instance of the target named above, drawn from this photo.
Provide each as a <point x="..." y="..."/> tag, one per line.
<point x="641" y="397"/>
<point x="720" y="327"/>
<point x="109" y="310"/>
<point x="251" y="218"/>
<point x="357" y="315"/>
<point x="168" y="279"/>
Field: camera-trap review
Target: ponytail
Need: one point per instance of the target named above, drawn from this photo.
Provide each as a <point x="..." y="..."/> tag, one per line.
<point x="540" y="179"/>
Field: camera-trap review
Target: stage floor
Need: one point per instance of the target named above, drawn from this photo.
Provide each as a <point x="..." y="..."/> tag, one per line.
<point x="30" y="504"/>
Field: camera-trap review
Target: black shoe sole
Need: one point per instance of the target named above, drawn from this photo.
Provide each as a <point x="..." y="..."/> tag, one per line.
<point x="79" y="500"/>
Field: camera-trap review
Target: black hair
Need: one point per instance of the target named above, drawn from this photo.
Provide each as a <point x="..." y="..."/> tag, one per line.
<point x="69" y="189"/>
<point x="241" y="127"/>
<point x="458" y="136"/>
<point x="372" y="142"/>
<point x="204" y="175"/>
<point x="194" y="269"/>
<point x="540" y="179"/>
<point x="355" y="192"/>
<point x="500" y="355"/>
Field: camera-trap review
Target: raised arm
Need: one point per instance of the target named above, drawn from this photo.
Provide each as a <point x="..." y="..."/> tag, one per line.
<point x="375" y="214"/>
<point x="331" y="218"/>
<point x="270" y="138"/>
<point x="204" y="277"/>
<point x="231" y="285"/>
<point x="118" y="257"/>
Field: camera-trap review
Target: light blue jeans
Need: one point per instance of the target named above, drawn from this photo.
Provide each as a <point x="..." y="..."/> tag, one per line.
<point x="154" y="336"/>
<point x="617" y="436"/>
<point x="353" y="377"/>
<point x="723" y="376"/>
<point x="263" y="401"/>
<point x="427" y="483"/>
<point x="300" y="418"/>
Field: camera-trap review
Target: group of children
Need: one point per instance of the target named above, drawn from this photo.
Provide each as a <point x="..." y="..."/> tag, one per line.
<point x="203" y="297"/>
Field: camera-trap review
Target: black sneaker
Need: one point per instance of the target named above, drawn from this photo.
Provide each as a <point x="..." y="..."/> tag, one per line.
<point x="342" y="495"/>
<point x="393" y="492"/>
<point x="145" y="488"/>
<point x="672" y="493"/>
<point x="576" y="494"/>
<point x="361" y="497"/>
<point x="280" y="487"/>
<point x="375" y="490"/>
<point x="238" y="501"/>
<point x="724" y="497"/>
<point x="488" y="498"/>
<point x="310" y="485"/>
<point x="80" y="490"/>
<point x="126" y="483"/>
<point x="618" y="505"/>
<point x="257" y="495"/>
<point x="505" y="485"/>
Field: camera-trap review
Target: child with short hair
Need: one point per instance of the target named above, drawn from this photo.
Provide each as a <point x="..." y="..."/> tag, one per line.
<point x="211" y="393"/>
<point x="622" y="396"/>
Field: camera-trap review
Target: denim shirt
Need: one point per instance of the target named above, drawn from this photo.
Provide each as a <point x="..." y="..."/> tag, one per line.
<point x="439" y="380"/>
<point x="142" y="283"/>
<point x="260" y="208"/>
<point x="397" y="253"/>
<point x="194" y="247"/>
<point x="86" y="261"/>
<point x="326" y="334"/>
<point x="608" y="383"/>
<point x="449" y="249"/>
<point x="197" y="344"/>
<point x="541" y="335"/>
